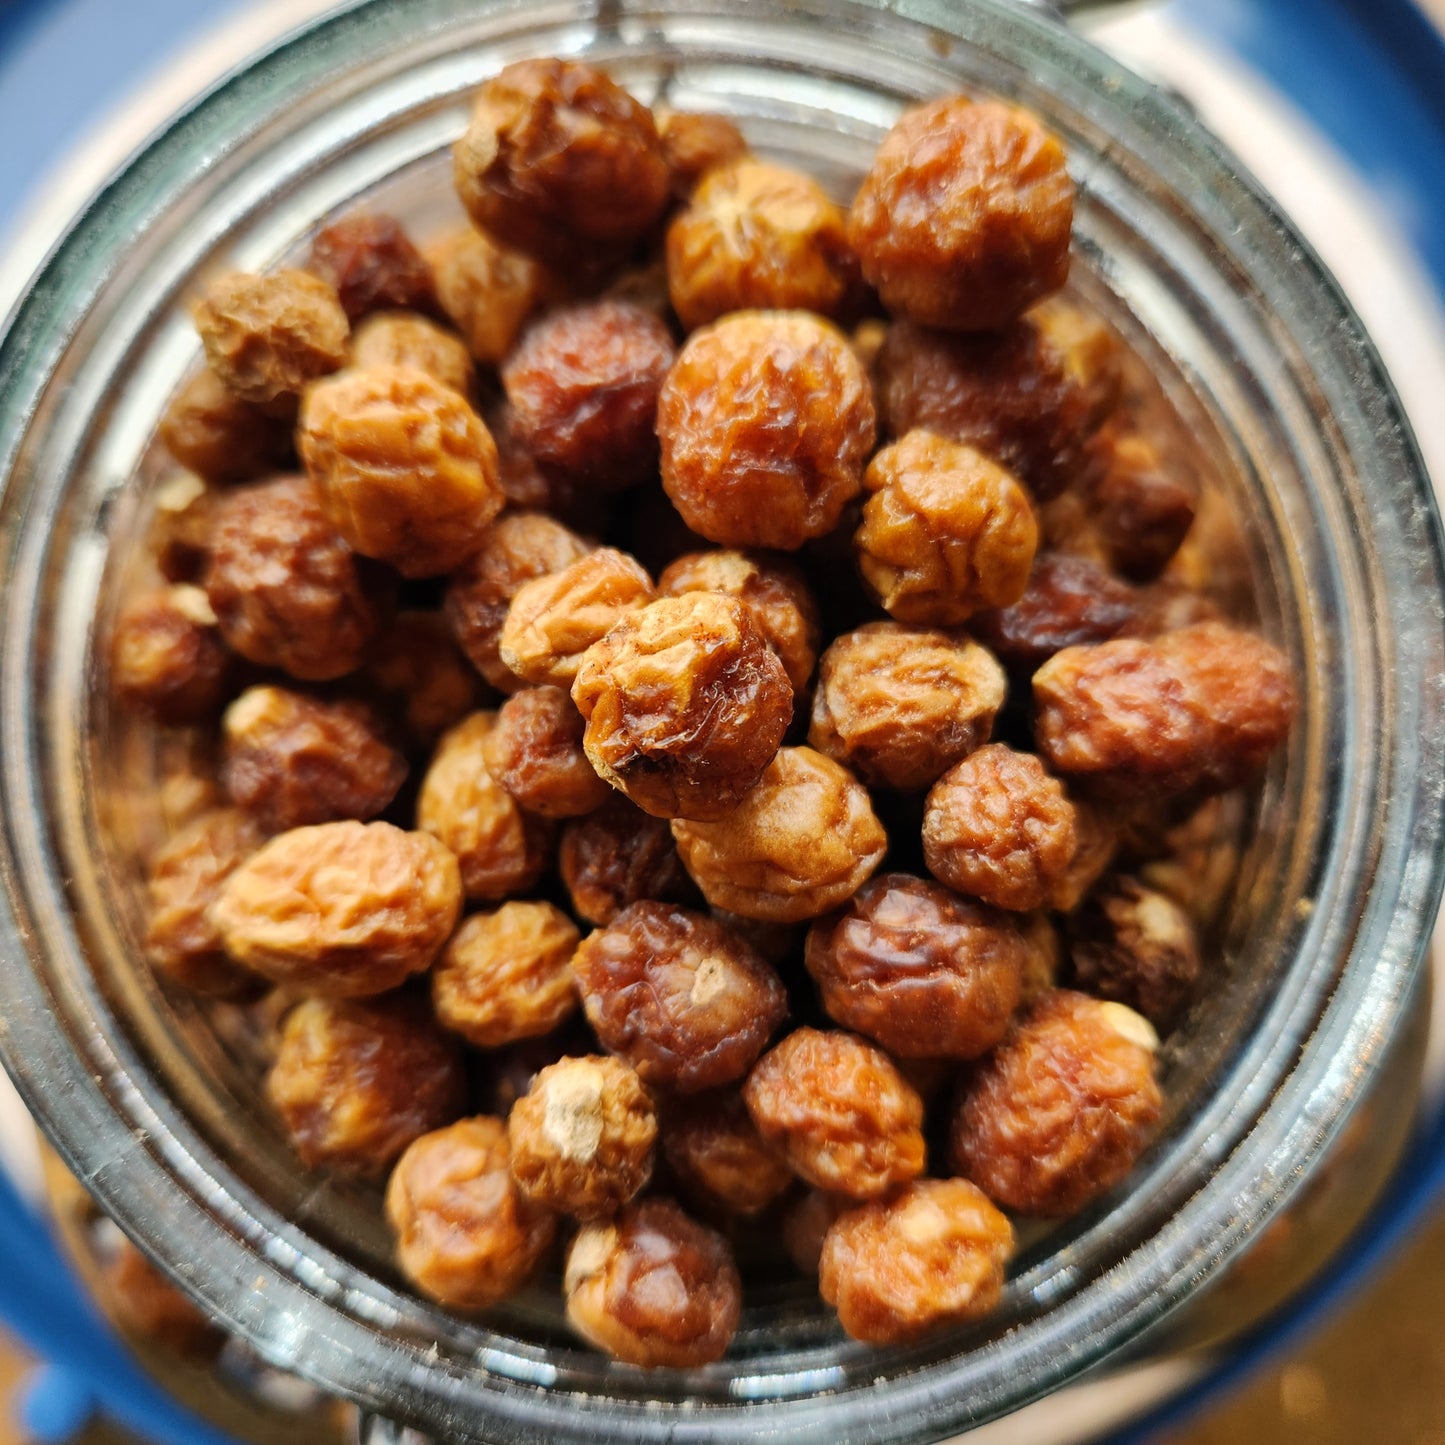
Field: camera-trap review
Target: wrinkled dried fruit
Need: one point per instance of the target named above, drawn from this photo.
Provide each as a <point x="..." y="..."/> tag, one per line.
<point x="618" y="856"/>
<point x="487" y="289"/>
<point x="211" y="431"/>
<point x="806" y="1222"/>
<point x="372" y="265"/>
<point x="535" y="752"/>
<point x="1140" y="513"/>
<point x="685" y="704"/>
<point x="718" y="1155"/>
<point x="402" y="338"/>
<point x="166" y="656"/>
<point x="417" y="671"/>
<point x="685" y="1001"/>
<point x="693" y="143"/>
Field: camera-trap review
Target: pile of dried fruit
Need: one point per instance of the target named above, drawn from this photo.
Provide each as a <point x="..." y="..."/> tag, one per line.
<point x="560" y="457"/>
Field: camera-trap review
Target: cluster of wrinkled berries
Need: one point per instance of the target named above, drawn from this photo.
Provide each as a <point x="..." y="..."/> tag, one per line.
<point x="561" y="458"/>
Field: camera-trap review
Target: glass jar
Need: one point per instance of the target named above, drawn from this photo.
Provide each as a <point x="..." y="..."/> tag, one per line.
<point x="1323" y="530"/>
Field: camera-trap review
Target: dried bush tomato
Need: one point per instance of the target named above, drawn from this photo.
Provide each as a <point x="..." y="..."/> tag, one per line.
<point x="685" y="704"/>
<point x="167" y="658"/>
<point x="372" y="265"/>
<point x="1009" y="394"/>
<point x="965" y="215"/>
<point x="403" y="338"/>
<point x="653" y="1287"/>
<point x="945" y="532"/>
<point x="998" y="827"/>
<point x="142" y="1302"/>
<point x="355" y="1082"/>
<point x="925" y="974"/>
<point x="900" y="706"/>
<point x="521" y="547"/>
<point x="1139" y="512"/>
<point x="685" y="1001"/>
<point x="405" y="468"/>
<point x="486" y="289"/>
<point x="418" y="672"/>
<point x="286" y="590"/>
<point x="465" y="1235"/>
<point x="266" y="337"/>
<point x="1069" y="601"/>
<point x="582" y="1137"/>
<point x="182" y="940"/>
<point x="535" y="752"/>
<point x="1062" y="1109"/>
<point x="847" y="1119"/>
<point x="291" y="760"/>
<point x="1045" y="957"/>
<point x="560" y="161"/>
<point x="801" y="842"/>
<point x="805" y="1224"/>
<point x="1136" y="946"/>
<point x="1096" y="841"/>
<point x="765" y="422"/>
<point x="1201" y="707"/>
<point x="208" y="429"/>
<point x="582" y="386"/>
<point x="932" y="1255"/>
<point x="343" y="909"/>
<point x="758" y="235"/>
<point x="774" y="591"/>
<point x="507" y="975"/>
<point x="501" y="849"/>
<point x="618" y="856"/>
<point x="718" y="1155"/>
<point x="693" y="143"/>
<point x="555" y="618"/>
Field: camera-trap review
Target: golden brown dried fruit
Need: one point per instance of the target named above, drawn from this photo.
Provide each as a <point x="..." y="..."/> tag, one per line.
<point x="900" y="705"/>
<point x="507" y="975"/>
<point x="1062" y="1109"/>
<point x="685" y="704"/>
<point x="582" y="1137"/>
<point x="716" y="1152"/>
<point x="801" y="842"/>
<point x="210" y="430"/>
<point x="487" y="289"/>
<point x="582" y="386"/>
<point x="404" y="338"/>
<point x="418" y="672"/>
<point x="286" y="590"/>
<point x="372" y="265"/>
<point x="925" y="974"/>
<point x="933" y="1255"/>
<point x="653" y="1287"/>
<point x="1096" y="841"/>
<point x="465" y="1236"/>
<point x="405" y="468"/>
<point x="757" y="235"/>
<point x="501" y="849"/>
<point x="847" y="1119"/>
<point x="765" y="421"/>
<point x="685" y="1001"/>
<point x="945" y="532"/>
<point x="186" y="876"/>
<point x="555" y="618"/>
<point x="998" y="827"/>
<point x="806" y="1222"/>
<point x="343" y="909"/>
<point x="167" y="658"/>
<point x="535" y="752"/>
<point x="356" y="1082"/>
<point x="1139" y="512"/>
<point x="267" y="336"/>
<point x="965" y="215"/>
<point x="617" y="856"/>
<point x="693" y="143"/>
<point x="774" y="591"/>
<point x="291" y="760"/>
<point x="521" y="547"/>
<point x="142" y="1301"/>
<point x="560" y="161"/>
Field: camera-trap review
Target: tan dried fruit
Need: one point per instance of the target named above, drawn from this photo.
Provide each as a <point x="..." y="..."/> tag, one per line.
<point x="266" y="337"/>
<point x="617" y="856"/>
<point x="487" y="289"/>
<point x="685" y="705"/>
<point x="653" y="1287"/>
<point x="167" y="658"/>
<point x="801" y="842"/>
<point x="715" y="1150"/>
<point x="685" y="1001"/>
<point x="901" y="705"/>
<point x="693" y="143"/>
<point x="507" y="975"/>
<point x="343" y="909"/>
<point x="806" y="1222"/>
<point x="765" y="422"/>
<point x="501" y="849"/>
<point x="933" y="1255"/>
<point x="465" y="1235"/>
<point x="535" y="752"/>
<point x="208" y="429"/>
<point x="404" y="338"/>
<point x="847" y="1119"/>
<point x="582" y="1137"/>
<point x="355" y="1082"/>
<point x="405" y="468"/>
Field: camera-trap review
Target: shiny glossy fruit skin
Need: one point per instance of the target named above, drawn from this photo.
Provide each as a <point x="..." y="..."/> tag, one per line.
<point x="535" y="752"/>
<point x="618" y="856"/>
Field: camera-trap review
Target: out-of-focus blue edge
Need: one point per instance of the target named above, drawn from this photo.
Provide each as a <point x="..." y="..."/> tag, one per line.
<point x="1370" y="74"/>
